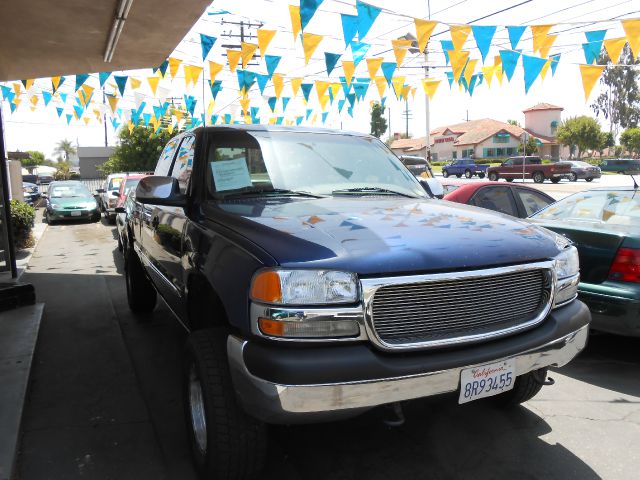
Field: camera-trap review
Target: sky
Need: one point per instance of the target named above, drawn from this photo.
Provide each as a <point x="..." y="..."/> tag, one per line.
<point x="42" y="129"/>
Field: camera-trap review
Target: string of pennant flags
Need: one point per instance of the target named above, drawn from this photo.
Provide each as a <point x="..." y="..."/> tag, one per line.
<point x="267" y="94"/>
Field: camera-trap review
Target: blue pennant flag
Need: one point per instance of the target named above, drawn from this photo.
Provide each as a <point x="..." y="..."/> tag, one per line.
<point x="532" y="67"/>
<point x="162" y="68"/>
<point x="219" y="12"/>
<point x="206" y="42"/>
<point x="594" y="45"/>
<point x="331" y="59"/>
<point x="359" y="50"/>
<point x="255" y="111"/>
<point x="346" y="88"/>
<point x="473" y="83"/>
<point x="324" y="116"/>
<point x="388" y="69"/>
<point x="214" y="119"/>
<point x="215" y="88"/>
<point x="308" y="114"/>
<point x="341" y="105"/>
<point x="69" y="117"/>
<point x="63" y="97"/>
<point x="79" y="110"/>
<point x="121" y="81"/>
<point x="360" y="90"/>
<point x="279" y="120"/>
<point x="6" y="91"/>
<point x="350" y="112"/>
<point x="446" y="46"/>
<point x="190" y="103"/>
<point x="509" y="62"/>
<point x="115" y="123"/>
<point x="306" y="90"/>
<point x="80" y="79"/>
<point x="595" y="35"/>
<point x="272" y="103"/>
<point x="349" y="28"/>
<point x="146" y="118"/>
<point x="285" y="102"/>
<point x="158" y="112"/>
<point x="383" y="102"/>
<point x="227" y="118"/>
<point x="272" y="62"/>
<point x="46" y="96"/>
<point x="13" y="106"/>
<point x="351" y="98"/>
<point x="449" y="78"/>
<point x="367" y="14"/>
<point x="103" y="76"/>
<point x="299" y="120"/>
<point x="262" y="79"/>
<point x="60" y="111"/>
<point x="484" y="36"/>
<point x="307" y="11"/>
<point x="515" y="34"/>
<point x="554" y="63"/>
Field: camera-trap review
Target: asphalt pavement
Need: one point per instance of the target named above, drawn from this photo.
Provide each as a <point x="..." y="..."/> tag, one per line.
<point x="105" y="399"/>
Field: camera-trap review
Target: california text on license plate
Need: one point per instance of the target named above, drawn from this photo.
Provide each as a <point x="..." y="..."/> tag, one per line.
<point x="76" y="213"/>
<point x="486" y="380"/>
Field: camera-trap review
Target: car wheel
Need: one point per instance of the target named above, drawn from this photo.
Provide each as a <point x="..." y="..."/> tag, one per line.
<point x="459" y="175"/>
<point x="555" y="180"/>
<point x="526" y="387"/>
<point x="120" y="244"/>
<point x="141" y="295"/>
<point x="480" y="174"/>
<point x="226" y="442"/>
<point x="589" y="179"/>
<point x="509" y="180"/>
<point x="493" y="176"/>
<point x="574" y="177"/>
<point x="538" y="177"/>
<point x="445" y="174"/>
<point x="468" y="174"/>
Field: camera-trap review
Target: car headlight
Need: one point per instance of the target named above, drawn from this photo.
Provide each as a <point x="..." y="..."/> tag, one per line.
<point x="567" y="265"/>
<point x="90" y="205"/>
<point x="55" y="206"/>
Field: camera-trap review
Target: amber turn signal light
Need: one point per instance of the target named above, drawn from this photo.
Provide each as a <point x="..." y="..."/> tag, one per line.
<point x="266" y="287"/>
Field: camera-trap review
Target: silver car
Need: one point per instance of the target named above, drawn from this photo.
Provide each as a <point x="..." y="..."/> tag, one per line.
<point x="584" y="171"/>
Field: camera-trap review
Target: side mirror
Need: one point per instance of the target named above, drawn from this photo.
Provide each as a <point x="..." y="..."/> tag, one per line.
<point x="120" y="210"/>
<point x="157" y="190"/>
<point x="115" y="193"/>
<point x="101" y="190"/>
<point x="433" y="187"/>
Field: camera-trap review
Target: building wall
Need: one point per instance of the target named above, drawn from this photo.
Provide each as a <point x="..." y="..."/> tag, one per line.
<point x="539" y="121"/>
<point x="89" y="166"/>
<point x="443" y="147"/>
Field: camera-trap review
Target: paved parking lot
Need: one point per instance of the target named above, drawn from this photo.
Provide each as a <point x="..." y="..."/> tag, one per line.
<point x="105" y="399"/>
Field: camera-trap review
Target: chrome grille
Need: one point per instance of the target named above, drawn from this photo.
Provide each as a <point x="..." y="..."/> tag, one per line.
<point x="446" y="311"/>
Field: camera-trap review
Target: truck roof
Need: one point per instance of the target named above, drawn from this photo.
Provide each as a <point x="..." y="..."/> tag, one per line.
<point x="278" y="128"/>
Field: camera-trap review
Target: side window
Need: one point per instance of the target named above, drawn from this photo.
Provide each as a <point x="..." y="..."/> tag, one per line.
<point x="533" y="202"/>
<point x="508" y="163"/>
<point x="495" y="198"/>
<point x="184" y="162"/>
<point x="164" y="163"/>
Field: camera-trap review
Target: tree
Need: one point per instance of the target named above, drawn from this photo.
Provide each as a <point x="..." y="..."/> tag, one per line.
<point x="35" y="159"/>
<point x="619" y="101"/>
<point x="606" y="140"/>
<point x="513" y="122"/>
<point x="582" y="132"/>
<point x="378" y="122"/>
<point x="63" y="171"/>
<point x="138" y="150"/>
<point x="532" y="146"/>
<point x="65" y="149"/>
<point x="630" y="138"/>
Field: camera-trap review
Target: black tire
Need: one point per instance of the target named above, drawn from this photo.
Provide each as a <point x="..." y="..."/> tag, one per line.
<point x="574" y="177"/>
<point x="538" y="177"/>
<point x="555" y="180"/>
<point x="468" y="174"/>
<point x="120" y="247"/>
<point x="209" y="399"/>
<point x="493" y="176"/>
<point x="509" y="180"/>
<point x="48" y="217"/>
<point x="589" y="179"/>
<point x="480" y="174"/>
<point x="459" y="175"/>
<point x="526" y="387"/>
<point x="141" y="295"/>
<point x="445" y="173"/>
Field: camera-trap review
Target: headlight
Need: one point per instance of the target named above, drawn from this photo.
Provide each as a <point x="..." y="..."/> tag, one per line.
<point x="55" y="206"/>
<point x="567" y="267"/>
<point x="304" y="287"/>
<point x="90" y="205"/>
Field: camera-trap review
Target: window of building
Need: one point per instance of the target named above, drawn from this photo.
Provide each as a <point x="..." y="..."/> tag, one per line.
<point x="454" y="155"/>
<point x="500" y="152"/>
<point x="489" y="152"/>
<point x="512" y="151"/>
<point x="501" y="137"/>
<point x="554" y="127"/>
<point x="467" y="152"/>
<point x="434" y="157"/>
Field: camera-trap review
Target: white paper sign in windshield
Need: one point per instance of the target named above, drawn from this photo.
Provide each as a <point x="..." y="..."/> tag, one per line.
<point x="230" y="174"/>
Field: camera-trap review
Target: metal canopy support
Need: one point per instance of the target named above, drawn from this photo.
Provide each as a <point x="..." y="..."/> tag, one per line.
<point x="6" y="237"/>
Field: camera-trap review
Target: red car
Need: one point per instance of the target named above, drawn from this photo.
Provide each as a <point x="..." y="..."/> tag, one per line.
<point x="515" y="200"/>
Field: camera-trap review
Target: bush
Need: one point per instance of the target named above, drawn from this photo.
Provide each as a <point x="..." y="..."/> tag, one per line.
<point x="23" y="217"/>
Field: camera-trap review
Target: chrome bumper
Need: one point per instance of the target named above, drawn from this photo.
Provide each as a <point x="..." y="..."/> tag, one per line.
<point x="275" y="403"/>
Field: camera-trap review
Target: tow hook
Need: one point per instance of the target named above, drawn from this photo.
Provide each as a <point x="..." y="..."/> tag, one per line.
<point x="393" y="415"/>
<point x="540" y="376"/>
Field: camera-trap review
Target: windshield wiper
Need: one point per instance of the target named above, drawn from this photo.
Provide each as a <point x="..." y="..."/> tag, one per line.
<point x="370" y="190"/>
<point x="273" y="191"/>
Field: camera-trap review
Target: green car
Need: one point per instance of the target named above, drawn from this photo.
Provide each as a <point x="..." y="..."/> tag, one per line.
<point x="604" y="225"/>
<point x="620" y="165"/>
<point x="70" y="200"/>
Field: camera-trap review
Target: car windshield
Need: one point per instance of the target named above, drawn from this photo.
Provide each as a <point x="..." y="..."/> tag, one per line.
<point x="450" y="188"/>
<point x="114" y="183"/>
<point x="68" y="191"/>
<point x="130" y="184"/>
<point x="620" y="207"/>
<point x="289" y="163"/>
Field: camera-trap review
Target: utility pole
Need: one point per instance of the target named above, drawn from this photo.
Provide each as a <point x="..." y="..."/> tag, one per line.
<point x="407" y="116"/>
<point x="104" y="117"/>
<point x="427" y="143"/>
<point x="389" y="122"/>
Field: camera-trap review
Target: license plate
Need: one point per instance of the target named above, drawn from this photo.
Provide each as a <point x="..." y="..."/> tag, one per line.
<point x="77" y="213"/>
<point x="486" y="380"/>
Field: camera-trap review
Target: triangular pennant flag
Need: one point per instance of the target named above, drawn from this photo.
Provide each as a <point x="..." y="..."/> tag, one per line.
<point x="545" y="69"/>
<point x="324" y="116"/>
<point x="388" y="69"/>
<point x="351" y="98"/>
<point x="590" y="75"/>
<point x="103" y="76"/>
<point x="484" y="36"/>
<point x="56" y="82"/>
<point x="78" y="111"/>
<point x="591" y="51"/>
<point x="272" y="103"/>
<point x="614" y="47"/>
<point x="86" y="93"/>
<point x="214" y="70"/>
<point x="46" y="96"/>
<point x="264" y="39"/>
<point x="162" y="68"/>
<point x="307" y="11"/>
<point x="373" y="65"/>
<point x="509" y="62"/>
<point x="60" y="111"/>
<point x="153" y="84"/>
<point x="346" y="88"/>
<point x="458" y="59"/>
<point x="349" y="68"/>
<point x="469" y="69"/>
<point x="244" y="103"/>
<point x="294" y="13"/>
<point x="321" y="88"/>
<point x="349" y="28"/>
<point x="341" y="105"/>
<point x="27" y="83"/>
<point x="278" y="83"/>
<point x="190" y="103"/>
<point x="330" y="60"/>
<point x="247" y="52"/>
<point x="447" y="46"/>
<point x="632" y="31"/>
<point x="459" y="35"/>
<point x="539" y="32"/>
<point x="262" y="81"/>
<point x="488" y="73"/>
<point x="206" y="42"/>
<point x="367" y="14"/>
<point x="191" y="74"/>
<point x="80" y="79"/>
<point x="285" y="102"/>
<point x="295" y="85"/>
<point x="69" y="117"/>
<point x="306" y="90"/>
<point x="555" y="59"/>
<point x="398" y="83"/>
<point x="532" y="67"/>
<point x="449" y="78"/>
<point x="310" y="42"/>
<point x="400" y="49"/>
<point x="358" y="51"/>
<point x="424" y="29"/>
<point x="515" y="34"/>
<point x="547" y="43"/>
<point x="430" y="86"/>
<point x="215" y="87"/>
<point x="381" y="83"/>
<point x="233" y="57"/>
<point x="135" y="83"/>
<point x="475" y="81"/>
<point x="121" y="81"/>
<point x="174" y="64"/>
<point x="63" y="97"/>
<point x="272" y="62"/>
<point x="335" y="89"/>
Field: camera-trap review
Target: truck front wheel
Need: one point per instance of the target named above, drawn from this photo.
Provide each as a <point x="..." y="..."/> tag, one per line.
<point x="445" y="173"/>
<point x="493" y="176"/>
<point x="141" y="295"/>
<point x="526" y="387"/>
<point x="480" y="174"/>
<point x="225" y="441"/>
<point x="468" y="174"/>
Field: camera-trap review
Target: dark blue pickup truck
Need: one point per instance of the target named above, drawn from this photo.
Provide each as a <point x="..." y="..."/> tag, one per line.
<point x="317" y="279"/>
<point x="464" y="166"/>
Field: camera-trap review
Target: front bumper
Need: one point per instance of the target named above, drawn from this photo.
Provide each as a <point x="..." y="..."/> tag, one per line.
<point x="284" y="385"/>
<point x="66" y="214"/>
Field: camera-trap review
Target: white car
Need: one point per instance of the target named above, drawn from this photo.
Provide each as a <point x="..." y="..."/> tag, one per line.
<point x="107" y="200"/>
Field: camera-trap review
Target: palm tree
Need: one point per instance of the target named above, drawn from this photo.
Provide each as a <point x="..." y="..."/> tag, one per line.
<point x="66" y="148"/>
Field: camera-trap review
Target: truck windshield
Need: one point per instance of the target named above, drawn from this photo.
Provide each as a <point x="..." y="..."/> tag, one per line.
<point x="278" y="163"/>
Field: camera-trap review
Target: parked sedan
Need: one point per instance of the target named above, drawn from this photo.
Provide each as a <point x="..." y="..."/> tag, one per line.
<point x="515" y="200"/>
<point x="70" y="200"/>
<point x="583" y="170"/>
<point x="30" y="192"/>
<point x="604" y="225"/>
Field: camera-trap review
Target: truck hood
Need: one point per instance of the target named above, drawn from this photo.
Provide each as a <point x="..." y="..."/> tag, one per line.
<point x="382" y="235"/>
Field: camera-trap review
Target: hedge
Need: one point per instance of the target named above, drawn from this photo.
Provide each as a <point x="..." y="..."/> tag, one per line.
<point x="23" y="217"/>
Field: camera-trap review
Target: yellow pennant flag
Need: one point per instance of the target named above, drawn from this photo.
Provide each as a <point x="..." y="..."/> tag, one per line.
<point x="264" y="39"/>
<point x="272" y="120"/>
<point x="17" y="88"/>
<point x="244" y="102"/>
<point x="34" y="100"/>
<point x="113" y="102"/>
<point x="295" y="85"/>
<point x="169" y="128"/>
<point x="135" y="83"/>
<point x="310" y="42"/>
<point x="28" y="84"/>
<point x="321" y="88"/>
<point x="233" y="57"/>
<point x="178" y="113"/>
<point x="413" y="92"/>
<point x="248" y="49"/>
<point x="278" y="83"/>
<point x="469" y="69"/>
<point x="459" y="35"/>
<point x="539" y="32"/>
<point x="348" y="67"/>
<point x="153" y="84"/>
<point x="373" y="65"/>
<point x="398" y="85"/>
<point x="499" y="73"/>
<point x="381" y="83"/>
<point x="400" y="49"/>
<point x="632" y="30"/>
<point x="430" y="86"/>
<point x="590" y="75"/>
<point x="214" y="70"/>
<point x="314" y="118"/>
<point x="296" y="25"/>
<point x="174" y="64"/>
<point x="335" y="89"/>
<point x="545" y="69"/>
<point x="86" y="120"/>
<point x="323" y="101"/>
<point x="191" y="74"/>
<point x="487" y="73"/>
<point x="424" y="29"/>
<point x="614" y="47"/>
<point x="87" y="90"/>
<point x="405" y="92"/>
<point x="458" y="59"/>
<point x="547" y="43"/>
<point x="210" y="108"/>
<point x="55" y="81"/>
